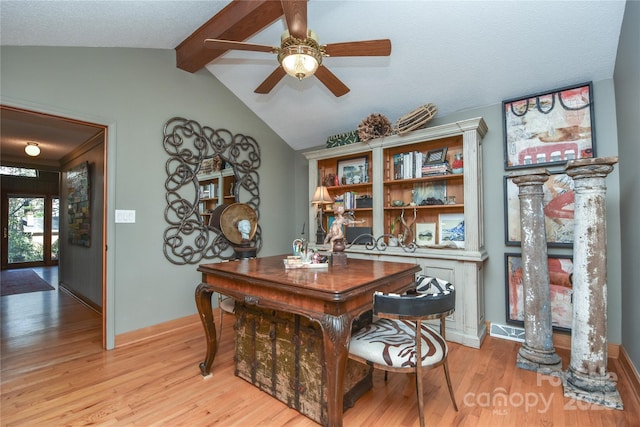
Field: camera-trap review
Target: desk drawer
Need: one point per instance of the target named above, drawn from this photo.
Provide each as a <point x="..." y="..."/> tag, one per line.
<point x="282" y="354"/>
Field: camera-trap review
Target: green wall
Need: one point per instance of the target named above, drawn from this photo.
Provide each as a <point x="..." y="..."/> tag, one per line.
<point x="627" y="86"/>
<point x="493" y="171"/>
<point x="134" y="92"/>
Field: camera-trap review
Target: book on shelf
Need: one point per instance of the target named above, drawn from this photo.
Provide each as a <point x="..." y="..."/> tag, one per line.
<point x="408" y="165"/>
<point x="348" y="200"/>
<point x="209" y="190"/>
<point x="436" y="169"/>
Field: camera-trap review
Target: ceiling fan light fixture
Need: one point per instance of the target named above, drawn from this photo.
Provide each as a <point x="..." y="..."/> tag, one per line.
<point x="32" y="149"/>
<point x="300" y="58"/>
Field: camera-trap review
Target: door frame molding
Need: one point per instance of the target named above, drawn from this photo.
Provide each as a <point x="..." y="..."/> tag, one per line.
<point x="108" y="229"/>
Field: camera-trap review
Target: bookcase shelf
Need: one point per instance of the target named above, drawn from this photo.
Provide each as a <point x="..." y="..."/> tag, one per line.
<point x="215" y="188"/>
<point x="431" y="206"/>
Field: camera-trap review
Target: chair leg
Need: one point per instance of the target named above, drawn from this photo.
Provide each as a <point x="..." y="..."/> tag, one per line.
<point x="446" y="374"/>
<point x="420" y="398"/>
<point x="420" y="391"/>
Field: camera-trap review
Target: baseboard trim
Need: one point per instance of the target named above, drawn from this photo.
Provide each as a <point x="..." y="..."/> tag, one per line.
<point x="155" y="331"/>
<point x="631" y="372"/>
<point x="563" y="340"/>
<point x="81" y="298"/>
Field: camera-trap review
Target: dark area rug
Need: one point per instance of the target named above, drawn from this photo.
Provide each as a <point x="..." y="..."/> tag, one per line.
<point x="21" y="282"/>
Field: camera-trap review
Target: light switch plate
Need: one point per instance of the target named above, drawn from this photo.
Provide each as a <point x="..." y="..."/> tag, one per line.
<point x="125" y="216"/>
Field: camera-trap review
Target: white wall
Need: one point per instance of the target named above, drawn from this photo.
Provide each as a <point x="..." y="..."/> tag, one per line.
<point x="135" y="91"/>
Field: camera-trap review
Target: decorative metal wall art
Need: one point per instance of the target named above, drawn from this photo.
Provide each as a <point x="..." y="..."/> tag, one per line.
<point x="190" y="239"/>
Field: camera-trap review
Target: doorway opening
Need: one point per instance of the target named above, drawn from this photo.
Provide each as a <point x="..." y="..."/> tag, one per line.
<point x="35" y="222"/>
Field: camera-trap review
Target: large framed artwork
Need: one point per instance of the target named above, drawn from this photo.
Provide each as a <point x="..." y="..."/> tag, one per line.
<point x="561" y="290"/>
<point x="79" y="205"/>
<point x="549" y="128"/>
<point x="558" y="200"/>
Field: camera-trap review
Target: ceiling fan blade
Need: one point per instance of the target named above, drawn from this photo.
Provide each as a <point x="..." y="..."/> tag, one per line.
<point x="380" y="47"/>
<point x="271" y="81"/>
<point x="228" y="44"/>
<point x="331" y="81"/>
<point x="295" y="13"/>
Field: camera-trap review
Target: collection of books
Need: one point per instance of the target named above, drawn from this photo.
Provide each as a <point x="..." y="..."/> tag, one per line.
<point x="209" y="190"/>
<point x="413" y="165"/>
<point x="440" y="168"/>
<point x="348" y="200"/>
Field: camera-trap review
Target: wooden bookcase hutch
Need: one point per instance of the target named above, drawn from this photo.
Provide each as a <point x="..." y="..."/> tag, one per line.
<point x="462" y="266"/>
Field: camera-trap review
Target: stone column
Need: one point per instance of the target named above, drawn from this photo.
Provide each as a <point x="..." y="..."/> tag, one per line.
<point x="587" y="378"/>
<point x="537" y="353"/>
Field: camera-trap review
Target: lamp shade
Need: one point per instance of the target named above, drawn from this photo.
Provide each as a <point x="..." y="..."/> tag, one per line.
<point x="32" y="149"/>
<point x="321" y="196"/>
<point x="300" y="58"/>
<point x="300" y="62"/>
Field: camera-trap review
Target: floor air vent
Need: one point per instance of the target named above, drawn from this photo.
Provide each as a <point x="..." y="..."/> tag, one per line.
<point x="507" y="332"/>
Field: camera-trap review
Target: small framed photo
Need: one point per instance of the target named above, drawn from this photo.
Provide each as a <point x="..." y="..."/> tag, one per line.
<point x="549" y="128"/>
<point x="425" y="233"/>
<point x="561" y="290"/>
<point x="436" y="156"/>
<point x="451" y="229"/>
<point x="558" y="200"/>
<point x="353" y="171"/>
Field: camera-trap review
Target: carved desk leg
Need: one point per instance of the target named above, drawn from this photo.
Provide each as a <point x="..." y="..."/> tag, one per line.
<point x="203" y="302"/>
<point x="335" y="337"/>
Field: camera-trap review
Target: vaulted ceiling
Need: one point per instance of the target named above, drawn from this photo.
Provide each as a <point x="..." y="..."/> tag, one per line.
<point x="456" y="54"/>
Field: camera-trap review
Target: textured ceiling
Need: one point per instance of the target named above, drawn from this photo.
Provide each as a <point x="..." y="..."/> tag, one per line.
<point x="456" y="54"/>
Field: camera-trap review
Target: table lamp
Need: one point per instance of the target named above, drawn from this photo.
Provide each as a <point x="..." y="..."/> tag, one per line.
<point x="321" y="198"/>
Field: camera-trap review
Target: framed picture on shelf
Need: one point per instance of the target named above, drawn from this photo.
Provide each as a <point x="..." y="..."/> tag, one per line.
<point x="451" y="229"/>
<point x="436" y="156"/>
<point x="549" y="128"/>
<point x="430" y="193"/>
<point x="558" y="200"/>
<point x="425" y="233"/>
<point x="353" y="171"/>
<point x="560" y="278"/>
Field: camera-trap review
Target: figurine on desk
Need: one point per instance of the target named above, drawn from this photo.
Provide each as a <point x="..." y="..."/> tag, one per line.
<point x="336" y="232"/>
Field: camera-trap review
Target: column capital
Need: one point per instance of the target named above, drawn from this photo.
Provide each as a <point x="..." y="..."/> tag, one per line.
<point x="590" y="168"/>
<point x="530" y="176"/>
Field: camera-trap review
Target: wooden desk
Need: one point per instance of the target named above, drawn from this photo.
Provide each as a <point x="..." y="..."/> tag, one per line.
<point x="333" y="297"/>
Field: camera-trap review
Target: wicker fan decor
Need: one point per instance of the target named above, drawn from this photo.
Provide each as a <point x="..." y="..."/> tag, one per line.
<point x="416" y="119"/>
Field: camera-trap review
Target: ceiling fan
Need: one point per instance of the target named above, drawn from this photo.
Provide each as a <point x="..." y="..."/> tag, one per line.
<point x="300" y="54"/>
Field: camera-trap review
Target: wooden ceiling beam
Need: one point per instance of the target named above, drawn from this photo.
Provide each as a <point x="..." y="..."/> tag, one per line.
<point x="238" y="21"/>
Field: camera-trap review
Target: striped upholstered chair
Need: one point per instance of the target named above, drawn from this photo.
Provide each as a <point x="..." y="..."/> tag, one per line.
<point x="391" y="342"/>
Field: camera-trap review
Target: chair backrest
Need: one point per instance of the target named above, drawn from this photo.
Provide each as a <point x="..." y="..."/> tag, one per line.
<point x="427" y="297"/>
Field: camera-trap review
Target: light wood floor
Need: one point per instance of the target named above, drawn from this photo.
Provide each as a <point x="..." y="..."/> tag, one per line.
<point x="55" y="373"/>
